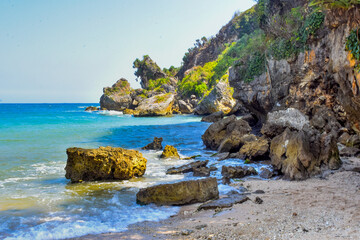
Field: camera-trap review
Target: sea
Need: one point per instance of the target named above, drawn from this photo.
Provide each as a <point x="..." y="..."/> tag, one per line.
<point x="38" y="202"/>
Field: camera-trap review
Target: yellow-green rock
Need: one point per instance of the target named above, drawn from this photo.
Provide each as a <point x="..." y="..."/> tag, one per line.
<point x="104" y="163"/>
<point x="170" y="152"/>
<point x="180" y="193"/>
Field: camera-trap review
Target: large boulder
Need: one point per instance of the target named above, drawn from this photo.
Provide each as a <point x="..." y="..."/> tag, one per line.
<point x="219" y="99"/>
<point x="154" y="145"/>
<point x="254" y="150"/>
<point x="118" y="97"/>
<point x="214" y="117"/>
<point x="180" y="193"/>
<point x="278" y="121"/>
<point x="226" y="135"/>
<point x="104" y="163"/>
<point x="158" y="105"/>
<point x="185" y="107"/>
<point x="301" y="154"/>
<point x="170" y="152"/>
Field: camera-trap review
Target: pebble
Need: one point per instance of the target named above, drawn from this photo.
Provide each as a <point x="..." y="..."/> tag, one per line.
<point x="198" y="227"/>
<point x="258" y="200"/>
<point x="186" y="232"/>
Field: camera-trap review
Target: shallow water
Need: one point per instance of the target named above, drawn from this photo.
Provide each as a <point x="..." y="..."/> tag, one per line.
<point x="37" y="202"/>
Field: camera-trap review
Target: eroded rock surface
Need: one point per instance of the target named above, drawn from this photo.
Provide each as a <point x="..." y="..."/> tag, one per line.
<point x="104" y="163"/>
<point x="158" y="105"/>
<point x="170" y="152"/>
<point x="180" y="193"/>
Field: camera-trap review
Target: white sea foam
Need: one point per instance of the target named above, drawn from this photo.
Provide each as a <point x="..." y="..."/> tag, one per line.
<point x="110" y="113"/>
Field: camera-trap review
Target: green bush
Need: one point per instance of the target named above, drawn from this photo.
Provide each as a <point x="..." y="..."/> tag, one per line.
<point x="331" y="4"/>
<point x="153" y="84"/>
<point x="353" y="46"/>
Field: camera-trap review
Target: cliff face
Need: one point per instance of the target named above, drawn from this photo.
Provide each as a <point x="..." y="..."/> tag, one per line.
<point x="323" y="75"/>
<point x="240" y="24"/>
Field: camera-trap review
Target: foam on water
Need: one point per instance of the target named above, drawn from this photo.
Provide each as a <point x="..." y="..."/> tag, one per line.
<point x="37" y="202"/>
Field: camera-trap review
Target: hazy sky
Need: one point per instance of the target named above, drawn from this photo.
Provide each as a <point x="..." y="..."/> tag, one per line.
<point x="68" y="50"/>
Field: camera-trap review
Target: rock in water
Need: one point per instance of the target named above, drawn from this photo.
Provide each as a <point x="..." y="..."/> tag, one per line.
<point x="187" y="168"/>
<point x="214" y="117"/>
<point x="117" y="97"/>
<point x="104" y="163"/>
<point x="180" y="193"/>
<point x="158" y="105"/>
<point x="170" y="152"/>
<point x="91" y="108"/>
<point x="155" y="145"/>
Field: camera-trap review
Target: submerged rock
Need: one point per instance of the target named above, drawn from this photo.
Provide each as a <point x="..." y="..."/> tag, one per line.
<point x="170" y="152"/>
<point x="214" y="117"/>
<point x="91" y="108"/>
<point x="104" y="163"/>
<point x="154" y="145"/>
<point x="158" y="105"/>
<point x="180" y="193"/>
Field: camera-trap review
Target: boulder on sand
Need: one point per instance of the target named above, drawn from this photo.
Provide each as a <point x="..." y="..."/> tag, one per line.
<point x="104" y="163"/>
<point x="186" y="192"/>
<point x="225" y="135"/>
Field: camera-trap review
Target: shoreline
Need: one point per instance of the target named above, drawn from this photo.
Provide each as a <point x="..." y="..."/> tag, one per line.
<point x="317" y="208"/>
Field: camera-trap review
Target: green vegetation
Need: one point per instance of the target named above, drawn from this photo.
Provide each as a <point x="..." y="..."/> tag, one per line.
<point x="331" y="4"/>
<point x="162" y="98"/>
<point x="353" y="46"/>
<point x="197" y="80"/>
<point x="156" y="84"/>
<point x="288" y="45"/>
<point x="147" y="69"/>
<point x="172" y="71"/>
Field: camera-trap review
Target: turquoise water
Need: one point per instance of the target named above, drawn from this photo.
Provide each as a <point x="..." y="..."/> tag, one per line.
<point x="37" y="202"/>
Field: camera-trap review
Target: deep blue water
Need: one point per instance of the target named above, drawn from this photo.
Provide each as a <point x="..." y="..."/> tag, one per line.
<point x="37" y="202"/>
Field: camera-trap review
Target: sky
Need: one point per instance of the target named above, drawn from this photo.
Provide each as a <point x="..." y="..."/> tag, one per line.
<point x="66" y="51"/>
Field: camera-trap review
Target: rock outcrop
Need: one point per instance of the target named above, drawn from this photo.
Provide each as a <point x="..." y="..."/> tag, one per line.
<point x="154" y="145"/>
<point x="278" y="121"/>
<point x="302" y="154"/>
<point x="214" y="117"/>
<point x="147" y="70"/>
<point x="170" y="152"/>
<point x="180" y="193"/>
<point x="158" y="105"/>
<point x="104" y="163"/>
<point x="255" y="150"/>
<point x="219" y="99"/>
<point x="225" y="135"/>
<point x="117" y="97"/>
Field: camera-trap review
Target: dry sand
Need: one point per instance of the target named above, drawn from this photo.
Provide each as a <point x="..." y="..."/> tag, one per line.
<point x="318" y="208"/>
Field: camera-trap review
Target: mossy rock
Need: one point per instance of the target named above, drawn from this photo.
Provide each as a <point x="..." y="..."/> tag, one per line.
<point x="170" y="152"/>
<point x="104" y="163"/>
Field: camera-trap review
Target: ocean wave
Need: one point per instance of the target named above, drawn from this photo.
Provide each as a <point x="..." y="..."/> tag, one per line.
<point x="110" y="113"/>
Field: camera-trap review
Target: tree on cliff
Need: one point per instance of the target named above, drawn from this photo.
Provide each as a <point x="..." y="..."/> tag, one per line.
<point x="146" y="70"/>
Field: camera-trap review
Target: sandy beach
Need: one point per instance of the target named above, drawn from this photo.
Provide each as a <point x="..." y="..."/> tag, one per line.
<point x="319" y="208"/>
